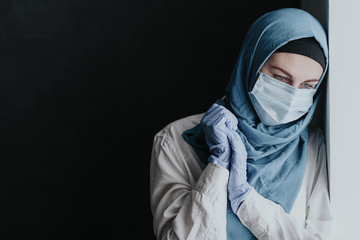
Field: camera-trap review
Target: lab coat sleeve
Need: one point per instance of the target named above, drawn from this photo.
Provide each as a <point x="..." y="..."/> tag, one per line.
<point x="182" y="207"/>
<point x="268" y="220"/>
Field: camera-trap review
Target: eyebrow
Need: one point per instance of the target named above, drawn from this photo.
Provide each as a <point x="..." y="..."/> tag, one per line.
<point x="282" y="70"/>
<point x="290" y="76"/>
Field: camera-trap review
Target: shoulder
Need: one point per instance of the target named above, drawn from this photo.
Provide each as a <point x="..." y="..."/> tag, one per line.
<point x="170" y="138"/>
<point x="175" y="129"/>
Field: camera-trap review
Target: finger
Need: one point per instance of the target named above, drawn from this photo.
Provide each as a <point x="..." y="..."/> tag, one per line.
<point x="232" y="121"/>
<point x="213" y="115"/>
<point x="217" y="129"/>
<point x="212" y="108"/>
<point x="236" y="142"/>
<point x="217" y="111"/>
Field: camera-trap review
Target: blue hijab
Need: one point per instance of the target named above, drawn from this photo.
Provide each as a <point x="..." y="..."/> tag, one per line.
<point x="277" y="155"/>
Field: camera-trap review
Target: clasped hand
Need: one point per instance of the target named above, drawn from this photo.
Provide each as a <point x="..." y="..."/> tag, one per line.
<point x="227" y="150"/>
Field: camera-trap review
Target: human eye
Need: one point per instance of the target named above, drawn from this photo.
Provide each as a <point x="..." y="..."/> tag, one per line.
<point x="307" y="86"/>
<point x="280" y="78"/>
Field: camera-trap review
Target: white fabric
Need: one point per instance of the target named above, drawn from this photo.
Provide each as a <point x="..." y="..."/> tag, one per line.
<point x="188" y="199"/>
<point x="277" y="102"/>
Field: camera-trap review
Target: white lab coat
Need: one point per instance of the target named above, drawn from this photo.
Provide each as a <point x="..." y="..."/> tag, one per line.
<point x="188" y="199"/>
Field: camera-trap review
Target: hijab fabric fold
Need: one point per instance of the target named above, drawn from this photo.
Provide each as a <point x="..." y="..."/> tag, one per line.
<point x="277" y="155"/>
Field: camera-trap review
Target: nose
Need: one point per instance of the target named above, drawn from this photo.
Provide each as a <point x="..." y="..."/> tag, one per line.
<point x="294" y="84"/>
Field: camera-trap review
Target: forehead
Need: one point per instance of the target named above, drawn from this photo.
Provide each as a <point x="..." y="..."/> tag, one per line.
<point x="299" y="66"/>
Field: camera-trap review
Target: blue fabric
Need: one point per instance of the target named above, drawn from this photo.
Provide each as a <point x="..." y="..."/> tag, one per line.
<point x="277" y="155"/>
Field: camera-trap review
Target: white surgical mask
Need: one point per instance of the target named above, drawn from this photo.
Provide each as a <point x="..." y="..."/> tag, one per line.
<point x="276" y="102"/>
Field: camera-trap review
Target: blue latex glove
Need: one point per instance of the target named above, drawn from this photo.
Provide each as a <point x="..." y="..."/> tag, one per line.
<point x="238" y="187"/>
<point x="217" y="123"/>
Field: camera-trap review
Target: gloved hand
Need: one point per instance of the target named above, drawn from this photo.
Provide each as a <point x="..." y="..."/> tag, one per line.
<point x="238" y="187"/>
<point x="217" y="123"/>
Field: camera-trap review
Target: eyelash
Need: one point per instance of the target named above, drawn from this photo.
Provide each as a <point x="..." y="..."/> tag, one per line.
<point x="285" y="79"/>
<point x="280" y="78"/>
<point x="309" y="86"/>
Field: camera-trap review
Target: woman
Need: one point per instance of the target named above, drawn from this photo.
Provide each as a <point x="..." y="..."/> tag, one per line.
<point x="249" y="168"/>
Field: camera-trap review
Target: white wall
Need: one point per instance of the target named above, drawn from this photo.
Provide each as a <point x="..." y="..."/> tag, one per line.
<point x="342" y="111"/>
<point x="344" y="116"/>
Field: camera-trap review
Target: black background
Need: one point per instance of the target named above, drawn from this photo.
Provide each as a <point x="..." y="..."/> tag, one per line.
<point x="84" y="87"/>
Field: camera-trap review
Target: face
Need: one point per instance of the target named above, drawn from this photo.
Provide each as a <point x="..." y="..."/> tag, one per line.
<point x="296" y="70"/>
